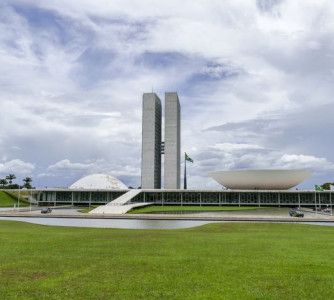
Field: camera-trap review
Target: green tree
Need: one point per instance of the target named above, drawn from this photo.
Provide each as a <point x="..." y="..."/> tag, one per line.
<point x="3" y="182"/>
<point x="326" y="186"/>
<point x="27" y="182"/>
<point x="10" y="178"/>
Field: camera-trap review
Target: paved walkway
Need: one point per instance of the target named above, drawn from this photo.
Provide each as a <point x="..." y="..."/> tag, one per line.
<point x="117" y="209"/>
<point x="119" y="212"/>
<point x="225" y="217"/>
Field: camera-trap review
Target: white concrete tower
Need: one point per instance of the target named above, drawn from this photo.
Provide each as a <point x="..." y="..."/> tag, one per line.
<point x="172" y="141"/>
<point x="151" y="142"/>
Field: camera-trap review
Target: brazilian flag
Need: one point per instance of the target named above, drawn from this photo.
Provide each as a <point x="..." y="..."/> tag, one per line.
<point x="318" y="188"/>
<point x="188" y="158"/>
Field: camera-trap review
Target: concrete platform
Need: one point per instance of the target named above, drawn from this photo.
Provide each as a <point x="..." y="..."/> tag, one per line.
<point x="119" y="205"/>
<point x="231" y="218"/>
<point x="117" y="209"/>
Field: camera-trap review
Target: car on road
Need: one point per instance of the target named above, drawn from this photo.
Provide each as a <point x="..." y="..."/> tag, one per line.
<point x="46" y="210"/>
<point x="296" y="213"/>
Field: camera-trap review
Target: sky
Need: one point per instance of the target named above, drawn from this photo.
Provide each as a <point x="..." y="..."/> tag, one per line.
<point x="254" y="79"/>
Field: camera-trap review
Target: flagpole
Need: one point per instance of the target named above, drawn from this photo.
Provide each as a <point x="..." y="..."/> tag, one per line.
<point x="330" y="200"/>
<point x="185" y="173"/>
<point x="315" y="199"/>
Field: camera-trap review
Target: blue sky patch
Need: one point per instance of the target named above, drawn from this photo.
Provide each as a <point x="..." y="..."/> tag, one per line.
<point x="159" y="60"/>
<point x="94" y="65"/>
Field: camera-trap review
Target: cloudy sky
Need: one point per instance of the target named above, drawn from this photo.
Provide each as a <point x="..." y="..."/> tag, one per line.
<point x="254" y="78"/>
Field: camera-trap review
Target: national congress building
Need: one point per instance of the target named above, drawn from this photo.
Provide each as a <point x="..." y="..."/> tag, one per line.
<point x="153" y="146"/>
<point x="242" y="187"/>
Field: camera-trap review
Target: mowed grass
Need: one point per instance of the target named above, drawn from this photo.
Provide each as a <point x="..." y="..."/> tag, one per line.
<point x="156" y="208"/>
<point x="8" y="200"/>
<point x="215" y="261"/>
<point x="88" y="209"/>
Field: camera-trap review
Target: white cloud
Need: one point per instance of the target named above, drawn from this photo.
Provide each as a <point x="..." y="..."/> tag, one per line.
<point x="229" y="147"/>
<point x="65" y="164"/>
<point x="293" y="161"/>
<point x="74" y="72"/>
<point x="16" y="167"/>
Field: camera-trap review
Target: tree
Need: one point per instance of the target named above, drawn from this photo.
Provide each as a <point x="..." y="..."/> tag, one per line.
<point x="27" y="182"/>
<point x="10" y="178"/>
<point x="3" y="182"/>
<point x="327" y="185"/>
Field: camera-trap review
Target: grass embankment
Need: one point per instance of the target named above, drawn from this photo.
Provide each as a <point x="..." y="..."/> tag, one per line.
<point x="8" y="199"/>
<point x="88" y="209"/>
<point x="216" y="261"/>
<point x="156" y="208"/>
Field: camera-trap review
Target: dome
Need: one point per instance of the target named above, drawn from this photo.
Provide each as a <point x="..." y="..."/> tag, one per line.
<point x="260" y="179"/>
<point x="99" y="181"/>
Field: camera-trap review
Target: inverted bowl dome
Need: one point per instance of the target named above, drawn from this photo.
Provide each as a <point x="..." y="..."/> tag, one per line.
<point x="99" y="181"/>
<point x="260" y="179"/>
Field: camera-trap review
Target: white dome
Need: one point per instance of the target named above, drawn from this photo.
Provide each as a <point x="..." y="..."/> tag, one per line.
<point x="260" y="179"/>
<point x="99" y="181"/>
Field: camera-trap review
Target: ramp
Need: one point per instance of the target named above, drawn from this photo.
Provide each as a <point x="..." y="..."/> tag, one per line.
<point x="125" y="198"/>
<point x="119" y="205"/>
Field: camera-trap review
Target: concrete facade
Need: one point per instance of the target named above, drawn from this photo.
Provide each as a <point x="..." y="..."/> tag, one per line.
<point x="172" y="141"/>
<point x="288" y="198"/>
<point x="151" y="142"/>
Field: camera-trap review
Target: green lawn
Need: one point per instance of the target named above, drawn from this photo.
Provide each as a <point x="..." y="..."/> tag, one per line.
<point x="216" y="261"/>
<point x="156" y="208"/>
<point x="8" y="200"/>
<point x="88" y="209"/>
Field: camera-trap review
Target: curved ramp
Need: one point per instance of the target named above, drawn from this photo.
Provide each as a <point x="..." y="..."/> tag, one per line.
<point x="119" y="205"/>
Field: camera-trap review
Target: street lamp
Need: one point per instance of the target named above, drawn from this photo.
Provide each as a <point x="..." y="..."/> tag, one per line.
<point x="18" y="200"/>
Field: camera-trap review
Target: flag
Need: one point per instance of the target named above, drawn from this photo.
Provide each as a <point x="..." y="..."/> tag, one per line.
<point x="318" y="188"/>
<point x="188" y="158"/>
<point x="331" y="187"/>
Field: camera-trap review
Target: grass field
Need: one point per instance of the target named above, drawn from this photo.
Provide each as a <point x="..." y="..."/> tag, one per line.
<point x="215" y="261"/>
<point x="8" y="200"/>
<point x="87" y="210"/>
<point x="156" y="208"/>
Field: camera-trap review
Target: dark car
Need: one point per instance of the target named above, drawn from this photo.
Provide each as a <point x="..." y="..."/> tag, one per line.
<point x="327" y="210"/>
<point x="296" y="213"/>
<point x="46" y="210"/>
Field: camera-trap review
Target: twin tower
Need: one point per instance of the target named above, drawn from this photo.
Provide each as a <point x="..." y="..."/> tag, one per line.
<point x="152" y="145"/>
